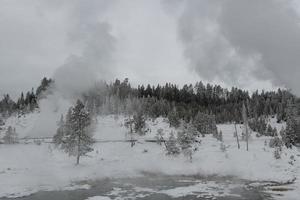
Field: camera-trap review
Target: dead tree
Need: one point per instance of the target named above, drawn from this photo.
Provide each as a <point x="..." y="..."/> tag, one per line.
<point x="237" y="136"/>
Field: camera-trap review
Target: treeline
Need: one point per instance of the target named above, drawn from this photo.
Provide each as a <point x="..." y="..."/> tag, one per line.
<point x="186" y="102"/>
<point x="168" y="100"/>
<point x="26" y="102"/>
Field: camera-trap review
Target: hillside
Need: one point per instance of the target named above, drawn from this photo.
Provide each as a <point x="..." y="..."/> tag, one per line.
<point x="28" y="167"/>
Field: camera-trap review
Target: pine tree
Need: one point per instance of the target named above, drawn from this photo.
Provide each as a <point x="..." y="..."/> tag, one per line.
<point x="220" y="136"/>
<point x="174" y="119"/>
<point x="21" y="103"/>
<point x="205" y="124"/>
<point x="172" y="146"/>
<point x="139" y="122"/>
<point x="58" y="138"/>
<point x="77" y="139"/>
<point x="160" y="136"/>
<point x="187" y="137"/>
<point x="10" y="136"/>
<point x="45" y="84"/>
<point x="129" y="124"/>
<point x="291" y="125"/>
<point x="1" y="120"/>
<point x="269" y="130"/>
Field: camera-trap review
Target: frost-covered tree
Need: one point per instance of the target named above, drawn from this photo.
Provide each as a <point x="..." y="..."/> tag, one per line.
<point x="258" y="125"/>
<point x="172" y="145"/>
<point x="139" y="122"/>
<point x="60" y="132"/>
<point x="205" y="124"/>
<point x="10" y="136"/>
<point x="187" y="138"/>
<point x="220" y="136"/>
<point x="160" y="136"/>
<point x="129" y="122"/>
<point x="269" y="130"/>
<point x="173" y="118"/>
<point x="1" y="120"/>
<point x="277" y="153"/>
<point x="77" y="132"/>
<point x="292" y="125"/>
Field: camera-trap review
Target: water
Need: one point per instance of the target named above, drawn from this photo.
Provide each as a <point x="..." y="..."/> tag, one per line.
<point x="159" y="187"/>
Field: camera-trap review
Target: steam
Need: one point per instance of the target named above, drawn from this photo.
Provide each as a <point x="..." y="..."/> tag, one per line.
<point x="95" y="55"/>
<point x="230" y="40"/>
<point x="92" y="60"/>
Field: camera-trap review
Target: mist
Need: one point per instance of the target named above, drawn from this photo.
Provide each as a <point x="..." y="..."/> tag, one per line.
<point x="95" y="53"/>
<point x="90" y="61"/>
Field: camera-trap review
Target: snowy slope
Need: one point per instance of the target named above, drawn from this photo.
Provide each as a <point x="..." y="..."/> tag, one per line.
<point x="24" y="124"/>
<point x="27" y="168"/>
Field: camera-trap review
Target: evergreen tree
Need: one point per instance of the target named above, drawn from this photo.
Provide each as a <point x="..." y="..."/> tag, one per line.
<point x="269" y="131"/>
<point x="77" y="140"/>
<point x="129" y="123"/>
<point x="21" y="103"/>
<point x="172" y="145"/>
<point x="58" y="138"/>
<point x="220" y="136"/>
<point x="10" y="136"/>
<point x="187" y="137"/>
<point x="292" y="124"/>
<point x="205" y="124"/>
<point x="41" y="90"/>
<point x="1" y="121"/>
<point x="174" y="119"/>
<point x="160" y="136"/>
<point x="139" y="122"/>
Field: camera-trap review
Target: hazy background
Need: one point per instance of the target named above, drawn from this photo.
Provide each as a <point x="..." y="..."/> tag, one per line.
<point x="250" y="44"/>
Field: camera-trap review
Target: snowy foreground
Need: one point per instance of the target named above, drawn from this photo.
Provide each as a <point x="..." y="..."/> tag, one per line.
<point x="27" y="167"/>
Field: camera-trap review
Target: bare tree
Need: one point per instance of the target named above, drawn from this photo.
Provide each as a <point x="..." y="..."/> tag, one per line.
<point x="245" y="119"/>
<point x="237" y="136"/>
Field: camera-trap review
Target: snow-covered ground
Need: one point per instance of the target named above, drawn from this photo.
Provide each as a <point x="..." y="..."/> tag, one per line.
<point x="28" y="168"/>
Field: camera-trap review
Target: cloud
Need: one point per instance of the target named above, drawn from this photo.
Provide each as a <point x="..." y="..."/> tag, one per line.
<point x="237" y="42"/>
<point x="242" y="41"/>
<point x="269" y="29"/>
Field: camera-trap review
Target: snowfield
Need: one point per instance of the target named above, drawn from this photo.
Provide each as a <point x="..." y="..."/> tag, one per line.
<point x="27" y="167"/>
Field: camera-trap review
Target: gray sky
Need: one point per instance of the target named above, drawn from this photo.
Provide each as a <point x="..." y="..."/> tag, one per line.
<point x="233" y="42"/>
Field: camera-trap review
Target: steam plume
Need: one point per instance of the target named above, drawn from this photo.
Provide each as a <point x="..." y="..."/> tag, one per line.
<point x="96" y="46"/>
<point x="230" y="39"/>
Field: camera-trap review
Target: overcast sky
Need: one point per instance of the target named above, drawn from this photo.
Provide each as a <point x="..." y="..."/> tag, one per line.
<point x="250" y="44"/>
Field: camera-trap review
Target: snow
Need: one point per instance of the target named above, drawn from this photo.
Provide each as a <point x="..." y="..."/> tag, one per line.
<point x="209" y="189"/>
<point x="24" y="124"/>
<point x="98" y="198"/>
<point x="26" y="168"/>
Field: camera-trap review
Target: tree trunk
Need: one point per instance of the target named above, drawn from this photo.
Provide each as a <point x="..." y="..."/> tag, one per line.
<point x="245" y="119"/>
<point x="78" y="150"/>
<point x="77" y="162"/>
<point x="237" y="136"/>
<point x="247" y="136"/>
